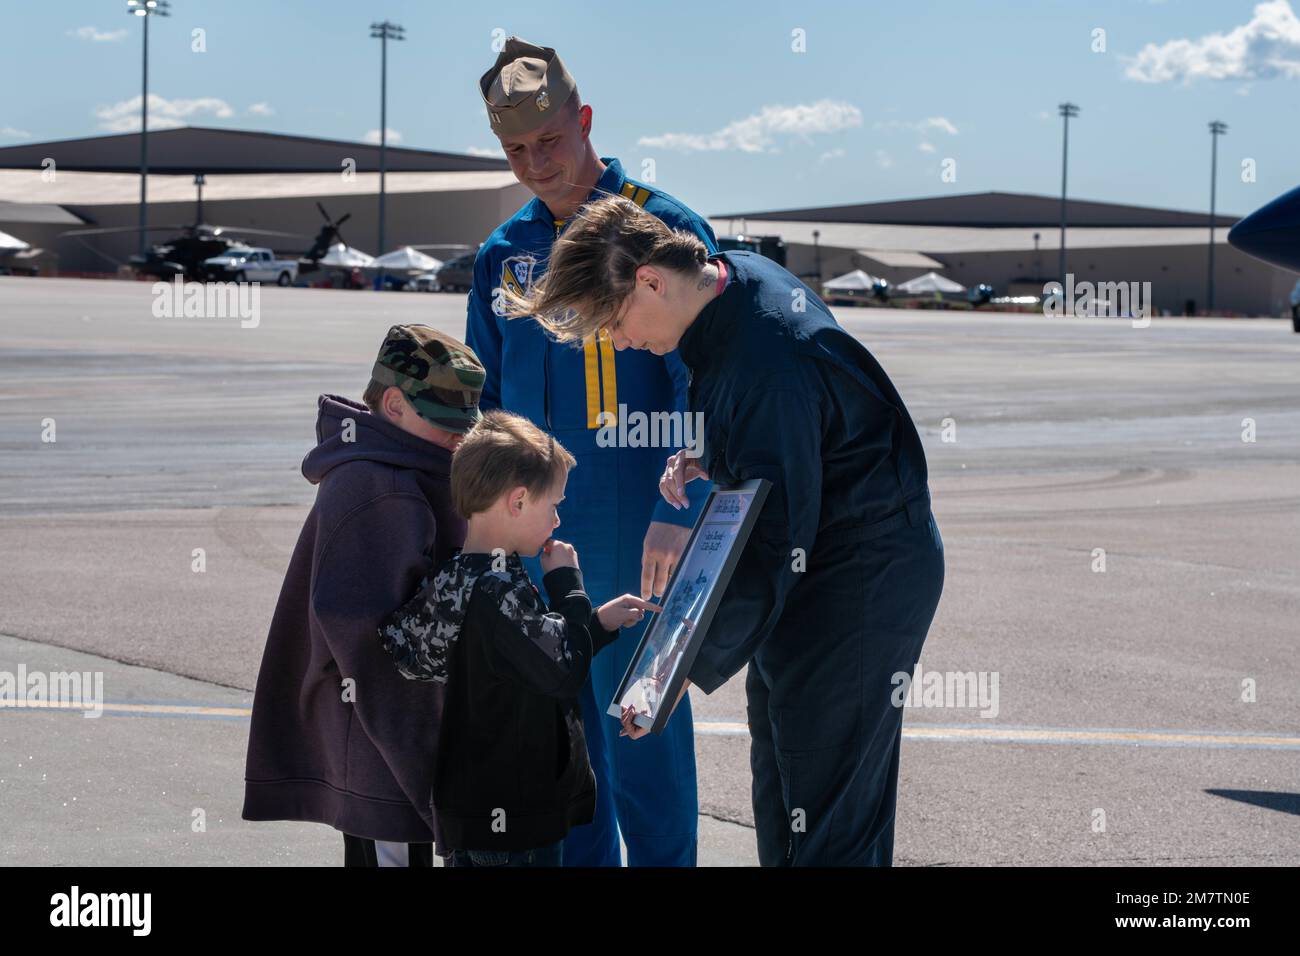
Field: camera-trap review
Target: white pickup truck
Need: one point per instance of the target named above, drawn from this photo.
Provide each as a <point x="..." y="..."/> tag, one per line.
<point x="251" y="264"/>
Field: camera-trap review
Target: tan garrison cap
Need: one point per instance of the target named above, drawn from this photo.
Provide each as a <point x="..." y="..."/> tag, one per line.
<point x="525" y="87"/>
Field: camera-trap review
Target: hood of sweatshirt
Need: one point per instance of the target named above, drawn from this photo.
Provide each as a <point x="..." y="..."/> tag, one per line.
<point x="347" y="431"/>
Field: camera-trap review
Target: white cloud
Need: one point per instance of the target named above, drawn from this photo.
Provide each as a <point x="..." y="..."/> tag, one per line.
<point x="124" y="117"/>
<point x="831" y="154"/>
<point x="372" y="136"/>
<point x="484" y="151"/>
<point x="96" y="35"/>
<point x="923" y="127"/>
<point x="757" y="132"/>
<point x="940" y="123"/>
<point x="261" y="109"/>
<point x="1266" y="47"/>
<point x="8" y="132"/>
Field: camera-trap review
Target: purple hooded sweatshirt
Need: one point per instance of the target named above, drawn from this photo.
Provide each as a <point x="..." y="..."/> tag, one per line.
<point x="338" y="735"/>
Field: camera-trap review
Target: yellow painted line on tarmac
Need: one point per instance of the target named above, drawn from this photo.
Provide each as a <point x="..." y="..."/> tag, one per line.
<point x="722" y="728"/>
<point x="1046" y="735"/>
<point x="1033" y="735"/>
<point x="161" y="710"/>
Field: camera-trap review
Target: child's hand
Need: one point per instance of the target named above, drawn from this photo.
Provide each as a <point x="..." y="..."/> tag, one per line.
<point x="624" y="612"/>
<point x="558" y="554"/>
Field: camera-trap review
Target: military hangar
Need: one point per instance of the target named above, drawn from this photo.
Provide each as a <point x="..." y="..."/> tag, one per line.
<point x="238" y="178"/>
<point x="1011" y="241"/>
<point x="452" y="201"/>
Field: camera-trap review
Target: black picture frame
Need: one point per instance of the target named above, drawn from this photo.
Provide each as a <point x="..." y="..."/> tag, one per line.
<point x="657" y="671"/>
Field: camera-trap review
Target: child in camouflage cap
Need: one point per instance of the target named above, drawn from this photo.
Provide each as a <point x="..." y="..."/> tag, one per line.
<point x="337" y="736"/>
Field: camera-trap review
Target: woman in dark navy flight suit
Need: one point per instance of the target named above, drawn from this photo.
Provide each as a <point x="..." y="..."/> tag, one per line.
<point x="835" y="591"/>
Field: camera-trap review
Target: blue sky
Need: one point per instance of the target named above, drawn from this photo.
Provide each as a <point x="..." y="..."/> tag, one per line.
<point x="733" y="117"/>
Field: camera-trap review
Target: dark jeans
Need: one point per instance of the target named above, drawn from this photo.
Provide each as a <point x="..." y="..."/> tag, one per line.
<point x="552" y="855"/>
<point x="825" y="732"/>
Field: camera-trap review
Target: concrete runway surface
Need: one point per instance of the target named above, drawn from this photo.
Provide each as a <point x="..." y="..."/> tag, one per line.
<point x="1147" y="714"/>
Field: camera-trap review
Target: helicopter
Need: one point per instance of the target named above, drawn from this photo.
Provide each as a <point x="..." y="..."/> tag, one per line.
<point x="331" y="258"/>
<point x="328" y="236"/>
<point x="182" y="255"/>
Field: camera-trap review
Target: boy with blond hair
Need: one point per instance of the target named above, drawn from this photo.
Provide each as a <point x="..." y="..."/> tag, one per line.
<point x="512" y="774"/>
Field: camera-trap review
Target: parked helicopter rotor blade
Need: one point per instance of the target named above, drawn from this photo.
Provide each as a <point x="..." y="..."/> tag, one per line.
<point x="242" y="230"/>
<point x="107" y="230"/>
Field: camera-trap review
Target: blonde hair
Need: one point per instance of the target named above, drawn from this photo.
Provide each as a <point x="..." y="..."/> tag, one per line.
<point x="503" y="451"/>
<point x="592" y="267"/>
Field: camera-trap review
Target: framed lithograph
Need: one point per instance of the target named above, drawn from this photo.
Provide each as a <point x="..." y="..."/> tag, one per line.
<point x="672" y="637"/>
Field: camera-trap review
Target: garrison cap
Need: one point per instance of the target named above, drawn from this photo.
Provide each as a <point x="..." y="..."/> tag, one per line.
<point x="441" y="377"/>
<point x="525" y="87"/>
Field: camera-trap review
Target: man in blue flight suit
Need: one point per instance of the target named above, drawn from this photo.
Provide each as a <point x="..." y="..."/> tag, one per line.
<point x="627" y="537"/>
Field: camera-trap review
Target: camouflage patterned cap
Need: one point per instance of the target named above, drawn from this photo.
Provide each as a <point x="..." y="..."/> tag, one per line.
<point x="441" y="377"/>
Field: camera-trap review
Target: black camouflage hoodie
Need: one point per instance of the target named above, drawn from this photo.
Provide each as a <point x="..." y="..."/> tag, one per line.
<point x="512" y="769"/>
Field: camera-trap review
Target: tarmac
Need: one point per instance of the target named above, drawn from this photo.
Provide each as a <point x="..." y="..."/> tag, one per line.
<point x="1144" y="714"/>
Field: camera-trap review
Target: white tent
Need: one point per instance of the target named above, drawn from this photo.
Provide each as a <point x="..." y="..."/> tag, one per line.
<point x="927" y="283"/>
<point x="345" y="257"/>
<point x="8" y="242"/>
<point x="855" y="281"/>
<point x="406" y="259"/>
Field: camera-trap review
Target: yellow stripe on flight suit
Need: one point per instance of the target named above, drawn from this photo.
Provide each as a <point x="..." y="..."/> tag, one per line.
<point x="591" y="363"/>
<point x="598" y="352"/>
<point x="607" y="376"/>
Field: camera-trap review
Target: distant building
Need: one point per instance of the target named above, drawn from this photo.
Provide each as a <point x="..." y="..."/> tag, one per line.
<point x="258" y="180"/>
<point x="1011" y="241"/>
<point x="453" y="201"/>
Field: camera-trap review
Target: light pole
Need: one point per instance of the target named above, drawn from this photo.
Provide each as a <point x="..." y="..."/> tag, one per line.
<point x="199" y="180"/>
<point x="1066" y="110"/>
<point x="144" y="9"/>
<point x="1217" y="129"/>
<point x="383" y="32"/>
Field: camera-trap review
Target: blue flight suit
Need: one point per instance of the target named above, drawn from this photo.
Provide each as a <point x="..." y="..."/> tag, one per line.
<point x="835" y="590"/>
<point x="612" y="496"/>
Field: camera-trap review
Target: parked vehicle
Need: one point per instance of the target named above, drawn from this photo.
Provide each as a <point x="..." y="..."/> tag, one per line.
<point x="457" y="275"/>
<point x="251" y="264"/>
<point x="425" y="282"/>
